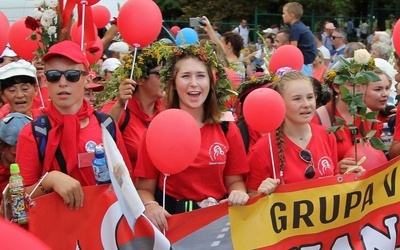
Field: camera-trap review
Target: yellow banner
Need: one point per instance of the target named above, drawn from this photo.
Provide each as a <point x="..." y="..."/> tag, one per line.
<point x="314" y="207"/>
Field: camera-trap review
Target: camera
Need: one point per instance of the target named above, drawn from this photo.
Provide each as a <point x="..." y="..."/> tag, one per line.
<point x="197" y="21"/>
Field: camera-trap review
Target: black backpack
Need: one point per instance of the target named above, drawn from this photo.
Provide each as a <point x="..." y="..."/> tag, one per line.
<point x="41" y="127"/>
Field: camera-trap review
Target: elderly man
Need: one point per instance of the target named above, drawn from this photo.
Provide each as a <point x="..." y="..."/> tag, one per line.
<point x="339" y="39"/>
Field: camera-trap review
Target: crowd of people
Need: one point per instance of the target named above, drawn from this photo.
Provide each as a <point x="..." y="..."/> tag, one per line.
<point x="60" y="95"/>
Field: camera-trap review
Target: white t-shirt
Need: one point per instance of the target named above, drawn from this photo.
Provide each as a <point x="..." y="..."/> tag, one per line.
<point x="244" y="33"/>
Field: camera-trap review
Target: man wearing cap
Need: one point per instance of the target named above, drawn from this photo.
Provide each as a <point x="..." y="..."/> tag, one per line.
<point x="8" y="56"/>
<point x="108" y="66"/>
<point x="326" y="36"/>
<point x="74" y="130"/>
<point x="10" y="126"/>
<point x="118" y="50"/>
<point x="91" y="88"/>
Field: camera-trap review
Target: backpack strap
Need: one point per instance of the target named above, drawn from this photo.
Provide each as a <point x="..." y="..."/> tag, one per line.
<point x="245" y="134"/>
<point x="126" y="120"/>
<point x="225" y="126"/>
<point x="108" y="123"/>
<point x="324" y="117"/>
<point x="40" y="128"/>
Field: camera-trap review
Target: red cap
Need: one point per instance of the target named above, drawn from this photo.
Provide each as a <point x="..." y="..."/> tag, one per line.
<point x="69" y="50"/>
<point x="96" y="87"/>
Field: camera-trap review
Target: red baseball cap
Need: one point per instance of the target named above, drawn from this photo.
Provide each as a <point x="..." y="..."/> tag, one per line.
<point x="69" y="50"/>
<point x="96" y="87"/>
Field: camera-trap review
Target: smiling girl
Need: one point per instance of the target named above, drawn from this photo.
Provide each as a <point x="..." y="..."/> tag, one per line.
<point x="302" y="150"/>
<point x="216" y="173"/>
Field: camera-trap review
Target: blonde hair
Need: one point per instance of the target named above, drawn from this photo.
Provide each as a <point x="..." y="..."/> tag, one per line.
<point x="294" y="8"/>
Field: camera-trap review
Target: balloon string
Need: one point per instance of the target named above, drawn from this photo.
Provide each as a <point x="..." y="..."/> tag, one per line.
<point x="163" y="198"/>
<point x="272" y="155"/>
<point x="132" y="70"/>
<point x="40" y="92"/>
<point x="83" y="23"/>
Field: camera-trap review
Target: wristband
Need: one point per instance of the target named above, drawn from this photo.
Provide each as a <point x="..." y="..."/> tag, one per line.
<point x="43" y="189"/>
<point x="150" y="202"/>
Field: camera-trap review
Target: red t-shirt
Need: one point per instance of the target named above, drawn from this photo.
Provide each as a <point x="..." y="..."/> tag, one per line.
<point x="32" y="170"/>
<point x="205" y="176"/>
<point x="136" y="127"/>
<point x="323" y="149"/>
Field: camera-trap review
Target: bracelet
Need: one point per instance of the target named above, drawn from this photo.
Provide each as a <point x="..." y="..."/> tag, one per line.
<point x="150" y="202"/>
<point x="43" y="189"/>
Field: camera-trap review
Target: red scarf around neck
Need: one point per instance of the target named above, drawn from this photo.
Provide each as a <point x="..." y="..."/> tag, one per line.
<point x="65" y="133"/>
<point x="134" y="107"/>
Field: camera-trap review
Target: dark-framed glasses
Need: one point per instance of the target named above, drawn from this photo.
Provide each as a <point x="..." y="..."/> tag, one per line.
<point x="334" y="37"/>
<point x="71" y="75"/>
<point x="306" y="156"/>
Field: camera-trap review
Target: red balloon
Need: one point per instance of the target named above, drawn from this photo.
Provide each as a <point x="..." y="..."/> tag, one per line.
<point x="375" y="157"/>
<point x="14" y="237"/>
<point x="94" y="53"/>
<point x="89" y="2"/>
<point x="286" y="56"/>
<point x="4" y="28"/>
<point x="20" y="41"/>
<point x="173" y="140"/>
<point x="101" y="16"/>
<point x="233" y="77"/>
<point x="76" y="35"/>
<point x="264" y="110"/>
<point x="139" y="22"/>
<point x="175" y="30"/>
<point x="396" y="36"/>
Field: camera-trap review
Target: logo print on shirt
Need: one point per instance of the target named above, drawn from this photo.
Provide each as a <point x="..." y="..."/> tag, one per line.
<point x="217" y="153"/>
<point x="325" y="166"/>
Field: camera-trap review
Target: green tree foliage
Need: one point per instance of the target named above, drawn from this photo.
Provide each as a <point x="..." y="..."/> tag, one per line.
<point x="234" y="11"/>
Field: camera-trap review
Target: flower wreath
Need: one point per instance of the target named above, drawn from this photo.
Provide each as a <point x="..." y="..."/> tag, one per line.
<point x="206" y="53"/>
<point x="254" y="80"/>
<point x="153" y="55"/>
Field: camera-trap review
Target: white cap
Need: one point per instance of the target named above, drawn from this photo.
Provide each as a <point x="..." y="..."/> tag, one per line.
<point x="110" y="64"/>
<point x="19" y="68"/>
<point x="8" y="52"/>
<point x="120" y="47"/>
<point x="386" y="67"/>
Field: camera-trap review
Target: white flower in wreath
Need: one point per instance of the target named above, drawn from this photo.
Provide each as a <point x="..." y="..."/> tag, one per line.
<point x="49" y="14"/>
<point x="37" y="14"/>
<point x="38" y="3"/>
<point x="45" y="22"/>
<point x="51" y="3"/>
<point x="362" y="56"/>
<point x="52" y="30"/>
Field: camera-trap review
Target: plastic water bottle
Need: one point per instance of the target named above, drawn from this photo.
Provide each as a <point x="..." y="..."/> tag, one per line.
<point x="386" y="137"/>
<point x="99" y="163"/>
<point x="19" y="207"/>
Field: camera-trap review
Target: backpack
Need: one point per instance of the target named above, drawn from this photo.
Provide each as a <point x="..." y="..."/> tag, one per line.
<point x="244" y="131"/>
<point x="41" y="126"/>
<point x="224" y="124"/>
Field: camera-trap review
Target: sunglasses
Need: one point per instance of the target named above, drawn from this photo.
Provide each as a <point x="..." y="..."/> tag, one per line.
<point x="334" y="37"/>
<point x="306" y="156"/>
<point x="72" y="75"/>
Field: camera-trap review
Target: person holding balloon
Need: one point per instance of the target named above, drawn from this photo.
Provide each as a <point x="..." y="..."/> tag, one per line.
<point x="298" y="150"/>
<point x="216" y="171"/>
<point x="143" y="95"/>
